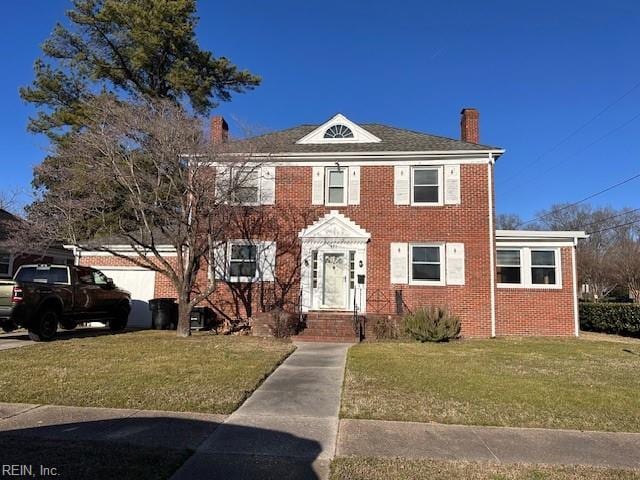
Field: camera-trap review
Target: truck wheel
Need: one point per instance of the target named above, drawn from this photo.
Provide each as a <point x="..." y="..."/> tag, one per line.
<point x="8" y="327"/>
<point x="46" y="327"/>
<point x="119" y="322"/>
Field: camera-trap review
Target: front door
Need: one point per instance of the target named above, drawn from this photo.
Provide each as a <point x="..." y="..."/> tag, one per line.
<point x="334" y="282"/>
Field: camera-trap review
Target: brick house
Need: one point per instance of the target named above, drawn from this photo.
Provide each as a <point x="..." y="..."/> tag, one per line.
<point x="398" y="219"/>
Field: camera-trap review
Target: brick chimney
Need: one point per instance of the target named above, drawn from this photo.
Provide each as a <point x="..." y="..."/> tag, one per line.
<point x="219" y="130"/>
<point x="470" y="125"/>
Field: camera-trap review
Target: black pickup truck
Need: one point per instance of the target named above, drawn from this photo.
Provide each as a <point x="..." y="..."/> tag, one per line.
<point x="42" y="297"/>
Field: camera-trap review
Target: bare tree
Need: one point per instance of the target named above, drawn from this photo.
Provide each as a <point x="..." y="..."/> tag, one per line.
<point x="140" y="175"/>
<point x="508" y="221"/>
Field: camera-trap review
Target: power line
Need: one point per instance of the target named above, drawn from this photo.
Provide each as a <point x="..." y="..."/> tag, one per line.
<point x="576" y="131"/>
<point x="616" y="226"/>
<point x="627" y="180"/>
<point x="628" y="212"/>
<point x="574" y="154"/>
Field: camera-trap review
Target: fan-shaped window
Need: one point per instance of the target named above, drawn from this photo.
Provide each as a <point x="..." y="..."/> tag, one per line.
<point x="338" y="131"/>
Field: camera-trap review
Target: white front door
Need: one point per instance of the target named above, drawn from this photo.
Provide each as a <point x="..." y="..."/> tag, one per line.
<point x="334" y="280"/>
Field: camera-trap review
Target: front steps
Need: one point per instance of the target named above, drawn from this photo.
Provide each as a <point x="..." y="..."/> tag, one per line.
<point x="328" y="326"/>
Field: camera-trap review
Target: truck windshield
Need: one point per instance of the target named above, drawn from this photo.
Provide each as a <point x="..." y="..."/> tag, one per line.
<point x="43" y="274"/>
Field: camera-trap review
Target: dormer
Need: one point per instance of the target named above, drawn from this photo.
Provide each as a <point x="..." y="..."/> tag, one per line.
<point x="338" y="129"/>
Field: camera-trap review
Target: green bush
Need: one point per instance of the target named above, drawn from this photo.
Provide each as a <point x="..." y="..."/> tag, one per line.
<point x="432" y="324"/>
<point x="617" y="318"/>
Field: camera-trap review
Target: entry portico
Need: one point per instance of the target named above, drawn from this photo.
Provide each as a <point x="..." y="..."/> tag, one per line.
<point x="334" y="264"/>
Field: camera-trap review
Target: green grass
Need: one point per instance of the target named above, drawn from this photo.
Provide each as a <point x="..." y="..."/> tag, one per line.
<point x="552" y="383"/>
<point x="89" y="459"/>
<point x="145" y="370"/>
<point x="402" y="469"/>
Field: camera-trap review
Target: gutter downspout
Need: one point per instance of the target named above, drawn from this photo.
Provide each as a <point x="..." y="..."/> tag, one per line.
<point x="576" y="315"/>
<point x="491" y="244"/>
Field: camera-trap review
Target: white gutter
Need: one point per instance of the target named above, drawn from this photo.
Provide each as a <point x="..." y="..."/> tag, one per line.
<point x="491" y="246"/>
<point x="540" y="234"/>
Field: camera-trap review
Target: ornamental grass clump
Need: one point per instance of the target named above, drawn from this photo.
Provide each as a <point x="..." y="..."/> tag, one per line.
<point x="432" y="324"/>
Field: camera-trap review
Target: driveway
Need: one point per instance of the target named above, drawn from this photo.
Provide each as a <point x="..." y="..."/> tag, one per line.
<point x="20" y="338"/>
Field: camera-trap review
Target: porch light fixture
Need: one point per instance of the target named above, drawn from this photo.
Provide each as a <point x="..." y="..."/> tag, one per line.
<point x="360" y="264"/>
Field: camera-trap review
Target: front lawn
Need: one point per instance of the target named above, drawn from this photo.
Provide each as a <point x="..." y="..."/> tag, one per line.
<point x="145" y="370"/>
<point x="402" y="469"/>
<point x="552" y="383"/>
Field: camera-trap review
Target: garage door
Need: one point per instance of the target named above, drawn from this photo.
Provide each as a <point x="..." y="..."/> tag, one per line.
<point x="141" y="284"/>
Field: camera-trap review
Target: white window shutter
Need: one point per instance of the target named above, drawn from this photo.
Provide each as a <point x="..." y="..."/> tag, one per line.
<point x="317" y="186"/>
<point x="455" y="263"/>
<point x="267" y="185"/>
<point x="399" y="262"/>
<point x="354" y="185"/>
<point x="402" y="185"/>
<point x="452" y="184"/>
<point x="219" y="266"/>
<point x="266" y="261"/>
<point x="305" y="278"/>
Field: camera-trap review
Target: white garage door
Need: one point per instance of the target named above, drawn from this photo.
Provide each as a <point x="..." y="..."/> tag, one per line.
<point x="141" y="284"/>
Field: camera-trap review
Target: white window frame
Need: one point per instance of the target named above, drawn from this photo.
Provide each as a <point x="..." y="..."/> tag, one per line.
<point x="526" y="266"/>
<point x="250" y="170"/>
<point x="440" y="171"/>
<point x="9" y="266"/>
<point x="520" y="266"/>
<point x="345" y="185"/>
<point x="241" y="279"/>
<point x="441" y="247"/>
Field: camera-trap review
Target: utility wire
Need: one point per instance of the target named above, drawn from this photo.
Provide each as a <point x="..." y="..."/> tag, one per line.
<point x="615" y="226"/>
<point x="576" y="131"/>
<point x="628" y="212"/>
<point x="627" y="180"/>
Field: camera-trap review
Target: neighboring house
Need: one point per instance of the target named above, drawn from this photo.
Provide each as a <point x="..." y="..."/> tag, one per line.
<point x="399" y="219"/>
<point x="11" y="257"/>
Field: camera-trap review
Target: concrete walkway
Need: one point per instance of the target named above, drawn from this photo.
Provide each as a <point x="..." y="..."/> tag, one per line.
<point x="373" y="438"/>
<point x="286" y="430"/>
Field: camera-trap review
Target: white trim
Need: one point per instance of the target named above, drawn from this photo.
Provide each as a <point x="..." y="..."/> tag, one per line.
<point x="360" y="135"/>
<point x="440" y="201"/>
<point x="515" y="244"/>
<point x="320" y="160"/>
<point x="437" y="283"/>
<point x="575" y="290"/>
<point x="124" y="250"/>
<point x="540" y="234"/>
<point x="120" y="267"/>
<point x="526" y="266"/>
<point x="485" y="154"/>
<point x="345" y="185"/>
<point x="492" y="260"/>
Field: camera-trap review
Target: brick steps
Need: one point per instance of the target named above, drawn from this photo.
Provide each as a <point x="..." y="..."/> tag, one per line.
<point x="328" y="327"/>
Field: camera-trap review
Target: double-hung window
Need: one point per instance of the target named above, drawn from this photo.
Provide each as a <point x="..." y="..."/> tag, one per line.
<point x="528" y="267"/>
<point x="509" y="266"/>
<point x="336" y="181"/>
<point x="246" y="185"/>
<point x="427" y="264"/>
<point x="543" y="267"/>
<point x="243" y="262"/>
<point x="426" y="186"/>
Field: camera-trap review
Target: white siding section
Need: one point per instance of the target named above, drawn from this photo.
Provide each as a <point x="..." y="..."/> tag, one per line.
<point x="452" y="184"/>
<point x="354" y="185"/>
<point x="268" y="185"/>
<point x="402" y="185"/>
<point x="455" y="263"/>
<point x="317" y="187"/>
<point x="399" y="263"/>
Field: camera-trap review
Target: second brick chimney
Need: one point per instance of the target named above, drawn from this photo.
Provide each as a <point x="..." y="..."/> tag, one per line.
<point x="470" y="125"/>
<point x="219" y="130"/>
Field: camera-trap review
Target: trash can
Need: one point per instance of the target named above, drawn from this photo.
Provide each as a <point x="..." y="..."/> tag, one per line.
<point x="164" y="313"/>
<point x="201" y="318"/>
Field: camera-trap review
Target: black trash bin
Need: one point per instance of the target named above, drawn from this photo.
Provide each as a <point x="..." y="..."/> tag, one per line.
<point x="201" y="318"/>
<point x="164" y="313"/>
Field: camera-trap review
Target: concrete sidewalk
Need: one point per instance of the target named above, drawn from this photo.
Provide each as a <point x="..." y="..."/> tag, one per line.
<point x="373" y="438"/>
<point x="286" y="430"/>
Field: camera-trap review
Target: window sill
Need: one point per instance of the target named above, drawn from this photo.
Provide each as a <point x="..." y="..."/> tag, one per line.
<point x="427" y="283"/>
<point x="429" y="204"/>
<point x="522" y="286"/>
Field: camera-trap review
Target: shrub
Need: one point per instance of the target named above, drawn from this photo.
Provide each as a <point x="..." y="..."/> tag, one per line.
<point x="616" y="318"/>
<point x="432" y="324"/>
<point x="387" y="328"/>
<point x="283" y="324"/>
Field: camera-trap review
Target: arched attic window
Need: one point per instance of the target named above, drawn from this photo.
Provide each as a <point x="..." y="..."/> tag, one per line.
<point x="338" y="131"/>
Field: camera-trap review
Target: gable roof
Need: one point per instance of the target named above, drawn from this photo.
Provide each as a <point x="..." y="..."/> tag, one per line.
<point x="392" y="139"/>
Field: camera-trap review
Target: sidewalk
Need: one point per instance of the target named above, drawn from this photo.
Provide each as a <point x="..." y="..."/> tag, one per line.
<point x="286" y="430"/>
<point x="374" y="438"/>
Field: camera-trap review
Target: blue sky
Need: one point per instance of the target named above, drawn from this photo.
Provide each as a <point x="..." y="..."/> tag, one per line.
<point x="536" y="70"/>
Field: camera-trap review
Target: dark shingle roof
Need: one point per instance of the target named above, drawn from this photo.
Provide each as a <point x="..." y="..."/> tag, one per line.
<point x="392" y="139"/>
